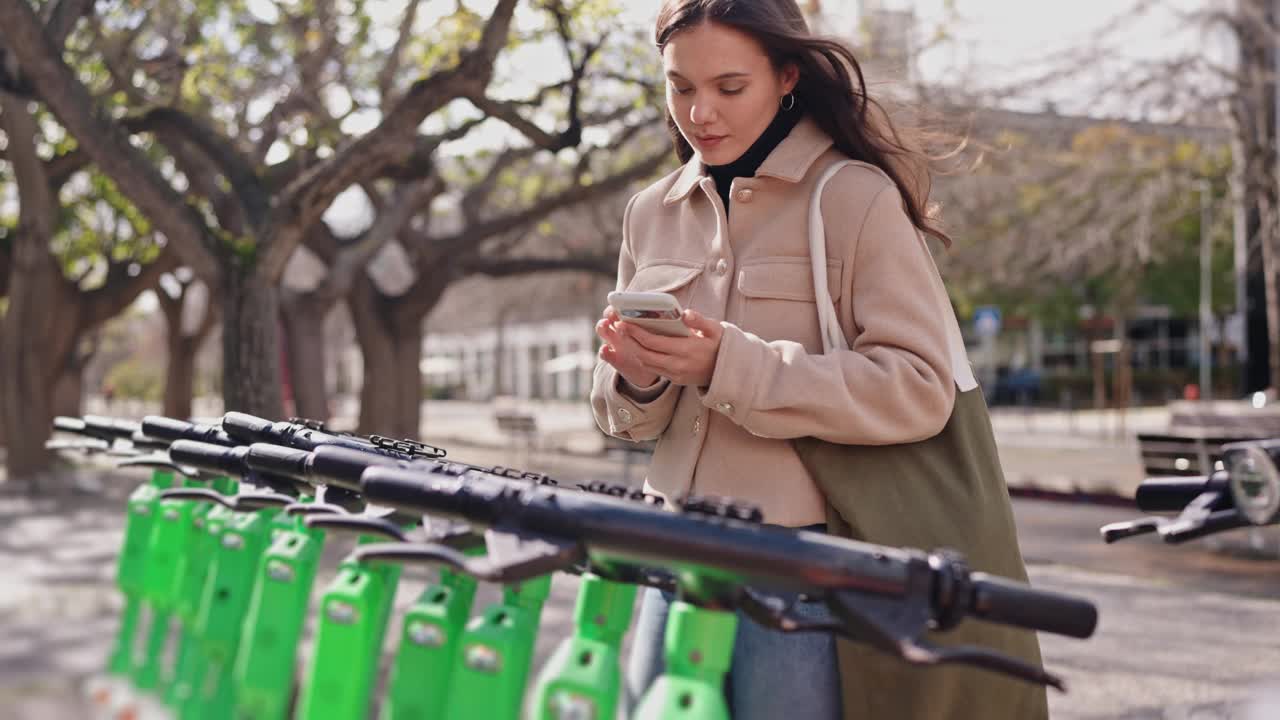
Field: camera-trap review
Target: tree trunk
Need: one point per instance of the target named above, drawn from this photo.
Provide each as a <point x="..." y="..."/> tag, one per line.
<point x="391" y="390"/>
<point x="36" y="336"/>
<point x="1099" y="372"/>
<point x="303" y="324"/>
<point x="250" y="345"/>
<point x="1270" y="268"/>
<point x="1123" y="378"/>
<point x="1253" y="117"/>
<point x="408" y="417"/>
<point x="38" y="331"/>
<point x="2" y="366"/>
<point x="180" y="373"/>
<point x="375" y="338"/>
<point x="389" y="332"/>
<point x="68" y="391"/>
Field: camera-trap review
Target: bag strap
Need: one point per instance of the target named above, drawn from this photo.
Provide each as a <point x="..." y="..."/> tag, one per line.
<point x="828" y="321"/>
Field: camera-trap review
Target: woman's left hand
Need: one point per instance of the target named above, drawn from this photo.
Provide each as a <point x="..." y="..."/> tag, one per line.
<point x="682" y="360"/>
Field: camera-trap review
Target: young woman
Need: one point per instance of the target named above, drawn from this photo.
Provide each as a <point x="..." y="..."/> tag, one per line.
<point x="750" y="407"/>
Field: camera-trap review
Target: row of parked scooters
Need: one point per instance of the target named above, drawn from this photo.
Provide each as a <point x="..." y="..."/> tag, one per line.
<point x="222" y="544"/>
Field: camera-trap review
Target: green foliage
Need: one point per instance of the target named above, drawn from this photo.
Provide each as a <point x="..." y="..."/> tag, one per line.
<point x="1109" y="218"/>
<point x="134" y="379"/>
<point x="98" y="225"/>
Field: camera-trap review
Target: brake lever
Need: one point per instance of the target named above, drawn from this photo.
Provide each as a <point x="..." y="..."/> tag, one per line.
<point x="360" y="524"/>
<point x="988" y="660"/>
<point x="1180" y="530"/>
<point x="244" y="502"/>
<point x="1192" y="517"/>
<point x="301" y="509"/>
<point x="161" y="461"/>
<point x="894" y="625"/>
<point x="84" y="445"/>
<point x="512" y="557"/>
<point x="1112" y="532"/>
<point x="633" y="575"/>
<point x="199" y="495"/>
<point x="774" y="612"/>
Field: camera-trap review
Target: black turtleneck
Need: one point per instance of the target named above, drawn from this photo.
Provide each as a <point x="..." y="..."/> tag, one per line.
<point x="750" y="161"/>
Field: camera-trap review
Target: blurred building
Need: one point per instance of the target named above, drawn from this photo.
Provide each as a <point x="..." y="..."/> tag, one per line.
<point x="529" y="337"/>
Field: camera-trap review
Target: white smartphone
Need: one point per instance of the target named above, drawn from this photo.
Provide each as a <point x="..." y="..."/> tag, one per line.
<point x="657" y="312"/>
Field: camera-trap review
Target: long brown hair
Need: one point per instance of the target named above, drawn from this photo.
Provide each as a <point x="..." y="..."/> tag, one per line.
<point x="831" y="89"/>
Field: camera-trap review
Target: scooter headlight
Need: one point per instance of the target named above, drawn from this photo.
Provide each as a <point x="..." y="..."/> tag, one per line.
<point x="1255" y="481"/>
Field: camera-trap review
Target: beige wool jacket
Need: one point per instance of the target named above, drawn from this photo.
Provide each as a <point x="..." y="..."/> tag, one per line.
<point x="771" y="382"/>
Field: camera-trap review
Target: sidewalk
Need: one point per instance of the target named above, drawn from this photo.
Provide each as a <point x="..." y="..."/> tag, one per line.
<point x="1083" y="457"/>
<point x="1052" y="451"/>
<point x="1083" y="451"/>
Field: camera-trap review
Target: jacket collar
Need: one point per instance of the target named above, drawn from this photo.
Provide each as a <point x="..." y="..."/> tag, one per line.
<point x="789" y="161"/>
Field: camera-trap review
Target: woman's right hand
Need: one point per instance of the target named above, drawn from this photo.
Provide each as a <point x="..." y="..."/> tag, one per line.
<point x="621" y="351"/>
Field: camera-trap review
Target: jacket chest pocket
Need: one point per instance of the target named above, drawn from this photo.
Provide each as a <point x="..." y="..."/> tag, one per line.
<point x="778" y="299"/>
<point x="669" y="276"/>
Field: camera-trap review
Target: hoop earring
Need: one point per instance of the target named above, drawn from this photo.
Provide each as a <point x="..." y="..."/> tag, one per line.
<point x="783" y="101"/>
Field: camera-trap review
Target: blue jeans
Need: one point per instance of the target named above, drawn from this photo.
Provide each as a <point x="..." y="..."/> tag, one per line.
<point x="772" y="675"/>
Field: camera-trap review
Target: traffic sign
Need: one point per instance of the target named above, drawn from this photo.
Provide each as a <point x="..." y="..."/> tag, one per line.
<point x="986" y="321"/>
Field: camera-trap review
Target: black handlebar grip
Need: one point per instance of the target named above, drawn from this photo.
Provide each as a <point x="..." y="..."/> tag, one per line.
<point x="110" y="428"/>
<point x="209" y="457"/>
<point x="1172" y="494"/>
<point x="279" y="460"/>
<point x="246" y="428"/>
<point x="343" y="466"/>
<point x="62" y="423"/>
<point x="1013" y="603"/>
<point x="165" y="428"/>
<point x="146" y="442"/>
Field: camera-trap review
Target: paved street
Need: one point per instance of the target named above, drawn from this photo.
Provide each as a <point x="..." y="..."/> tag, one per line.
<point x="1185" y="631"/>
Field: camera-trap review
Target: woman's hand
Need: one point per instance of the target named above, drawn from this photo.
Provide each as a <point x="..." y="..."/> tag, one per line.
<point x="621" y="351"/>
<point x="687" y="361"/>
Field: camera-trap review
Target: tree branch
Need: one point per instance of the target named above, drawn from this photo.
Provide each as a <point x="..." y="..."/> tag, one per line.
<point x="60" y="168"/>
<point x="6" y="261"/>
<point x="121" y="289"/>
<point x="387" y="75"/>
<point x="306" y="198"/>
<point x="61" y="16"/>
<point x="354" y="257"/>
<point x="37" y="199"/>
<point x="476" y="233"/>
<point x="222" y="153"/>
<point x="103" y="140"/>
<point x="504" y="267"/>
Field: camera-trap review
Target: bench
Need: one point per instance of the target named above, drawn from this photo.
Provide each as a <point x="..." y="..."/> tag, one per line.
<point x="1182" y="454"/>
<point x="521" y="427"/>
<point x="1197" y="431"/>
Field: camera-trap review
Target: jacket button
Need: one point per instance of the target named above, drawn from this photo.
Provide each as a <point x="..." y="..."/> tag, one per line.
<point x="724" y="407"/>
<point x="744" y="195"/>
<point x="722" y="267"/>
<point x="624" y="415"/>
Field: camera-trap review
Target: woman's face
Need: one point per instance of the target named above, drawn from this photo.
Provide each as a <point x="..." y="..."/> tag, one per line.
<point x="722" y="89"/>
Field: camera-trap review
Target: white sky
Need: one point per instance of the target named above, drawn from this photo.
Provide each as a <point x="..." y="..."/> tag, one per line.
<point x="997" y="41"/>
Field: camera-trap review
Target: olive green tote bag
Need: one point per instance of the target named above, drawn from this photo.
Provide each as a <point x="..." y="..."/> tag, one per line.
<point x="944" y="492"/>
